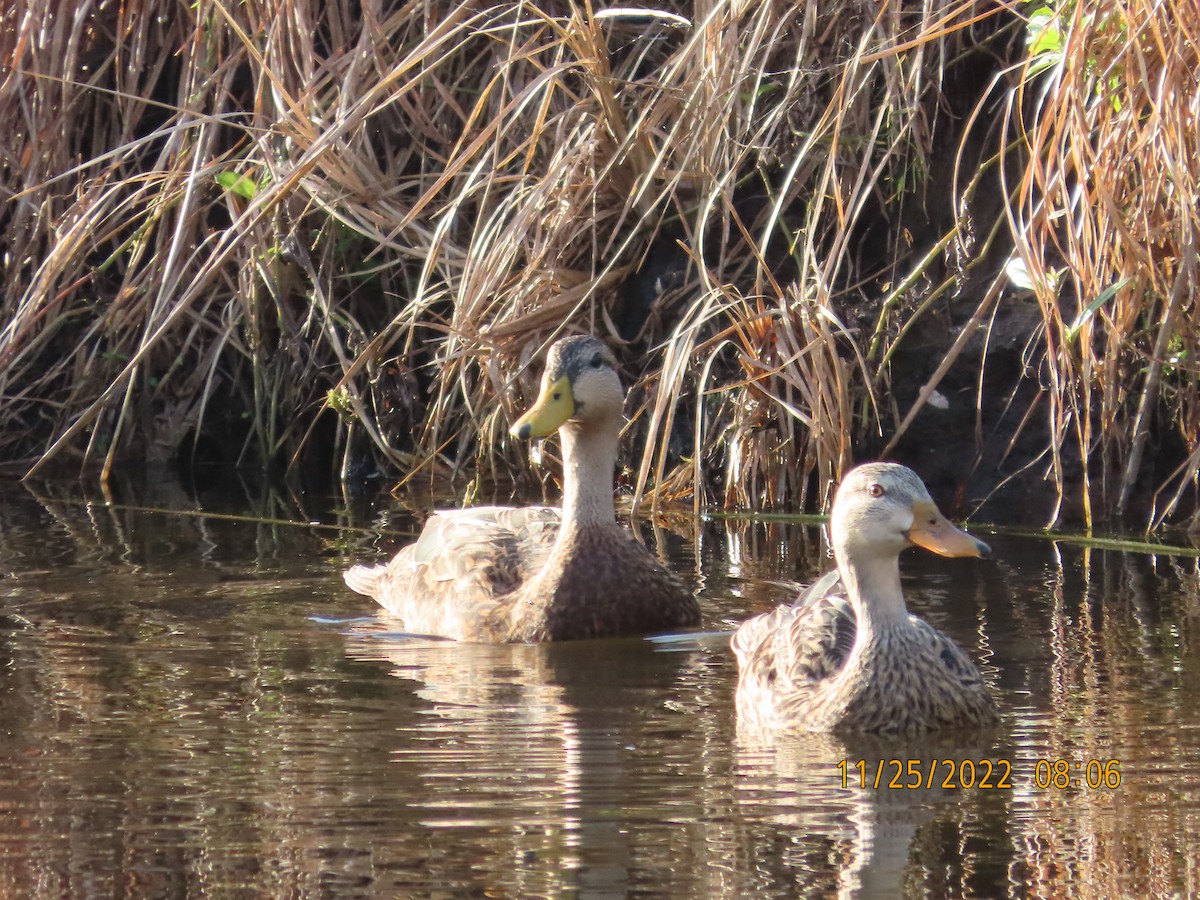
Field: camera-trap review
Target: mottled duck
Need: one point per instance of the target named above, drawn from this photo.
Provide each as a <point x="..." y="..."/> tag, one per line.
<point x="501" y="574"/>
<point x="847" y="655"/>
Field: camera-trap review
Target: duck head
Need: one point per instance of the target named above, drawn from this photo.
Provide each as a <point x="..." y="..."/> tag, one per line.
<point x="580" y="385"/>
<point x="882" y="508"/>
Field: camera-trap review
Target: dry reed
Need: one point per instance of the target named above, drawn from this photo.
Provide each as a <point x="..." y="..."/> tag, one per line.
<point x="262" y="231"/>
<point x="1105" y="215"/>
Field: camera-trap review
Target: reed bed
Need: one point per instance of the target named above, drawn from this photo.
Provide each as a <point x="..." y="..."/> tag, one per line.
<point x="1106" y="217"/>
<point x="272" y="233"/>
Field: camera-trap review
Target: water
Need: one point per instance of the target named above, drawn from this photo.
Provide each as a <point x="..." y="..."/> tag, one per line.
<point x="195" y="706"/>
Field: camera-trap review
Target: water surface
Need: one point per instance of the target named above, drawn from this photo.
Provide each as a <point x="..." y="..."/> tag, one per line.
<point x="194" y="705"/>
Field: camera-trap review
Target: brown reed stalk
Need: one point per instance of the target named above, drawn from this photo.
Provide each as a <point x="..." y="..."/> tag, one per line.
<point x="296" y="226"/>
<point x="1105" y="218"/>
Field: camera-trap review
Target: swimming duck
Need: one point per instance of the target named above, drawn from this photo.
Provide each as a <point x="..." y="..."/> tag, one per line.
<point x="847" y="655"/>
<point x="503" y="575"/>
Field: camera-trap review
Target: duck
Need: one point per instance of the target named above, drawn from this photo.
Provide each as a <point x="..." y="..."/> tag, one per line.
<point x="847" y="656"/>
<point x="533" y="574"/>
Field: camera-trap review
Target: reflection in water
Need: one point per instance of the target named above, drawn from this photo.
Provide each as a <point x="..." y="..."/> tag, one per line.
<point x="878" y="837"/>
<point x="524" y="743"/>
<point x="180" y="717"/>
<point x="1116" y="682"/>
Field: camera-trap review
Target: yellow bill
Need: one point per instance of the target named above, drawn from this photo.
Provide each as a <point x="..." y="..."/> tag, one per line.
<point x="554" y="406"/>
<point x="933" y="531"/>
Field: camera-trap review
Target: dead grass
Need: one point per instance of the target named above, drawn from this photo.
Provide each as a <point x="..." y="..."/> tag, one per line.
<point x="264" y="230"/>
<point x="1105" y="216"/>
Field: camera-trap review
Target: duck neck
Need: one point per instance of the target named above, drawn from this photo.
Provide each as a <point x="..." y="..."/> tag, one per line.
<point x="589" y="458"/>
<point x="873" y="586"/>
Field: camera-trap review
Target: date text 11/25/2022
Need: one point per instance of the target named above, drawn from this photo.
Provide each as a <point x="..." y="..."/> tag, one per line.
<point x="912" y="774"/>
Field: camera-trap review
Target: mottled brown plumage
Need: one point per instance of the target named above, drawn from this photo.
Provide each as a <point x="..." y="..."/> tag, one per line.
<point x="498" y="574"/>
<point x="847" y="656"/>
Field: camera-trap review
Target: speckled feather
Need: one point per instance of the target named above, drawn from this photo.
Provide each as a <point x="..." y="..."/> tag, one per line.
<point x="617" y="587"/>
<point x="907" y="682"/>
<point x="501" y="578"/>
<point x="450" y="581"/>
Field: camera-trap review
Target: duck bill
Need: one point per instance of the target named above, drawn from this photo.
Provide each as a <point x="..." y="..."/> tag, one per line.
<point x="933" y="531"/>
<point x="554" y="406"/>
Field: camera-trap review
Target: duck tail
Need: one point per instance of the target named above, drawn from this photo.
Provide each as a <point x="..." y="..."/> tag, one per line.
<point x="364" y="579"/>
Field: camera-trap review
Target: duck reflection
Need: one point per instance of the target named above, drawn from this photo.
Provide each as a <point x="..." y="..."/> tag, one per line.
<point x="879" y="825"/>
<point x="582" y="737"/>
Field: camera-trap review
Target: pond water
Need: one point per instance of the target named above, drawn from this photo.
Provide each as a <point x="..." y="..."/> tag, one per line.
<point x="192" y="704"/>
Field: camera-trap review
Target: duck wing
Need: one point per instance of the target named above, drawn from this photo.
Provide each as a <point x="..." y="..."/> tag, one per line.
<point x="450" y="580"/>
<point x="800" y="644"/>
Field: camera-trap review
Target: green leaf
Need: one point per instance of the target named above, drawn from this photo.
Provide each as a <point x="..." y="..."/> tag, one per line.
<point x="242" y="185"/>
<point x="1104" y="296"/>
<point x="1044" y="38"/>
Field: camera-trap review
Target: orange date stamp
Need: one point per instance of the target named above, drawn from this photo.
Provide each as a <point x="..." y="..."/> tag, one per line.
<point x="995" y="774"/>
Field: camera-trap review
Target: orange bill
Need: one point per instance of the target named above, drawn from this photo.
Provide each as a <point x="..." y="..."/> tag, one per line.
<point x="933" y="531"/>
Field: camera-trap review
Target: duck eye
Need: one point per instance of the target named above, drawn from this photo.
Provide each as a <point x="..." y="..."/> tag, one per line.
<point x="597" y="361"/>
<point x="876" y="490"/>
<point x="557" y="395"/>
